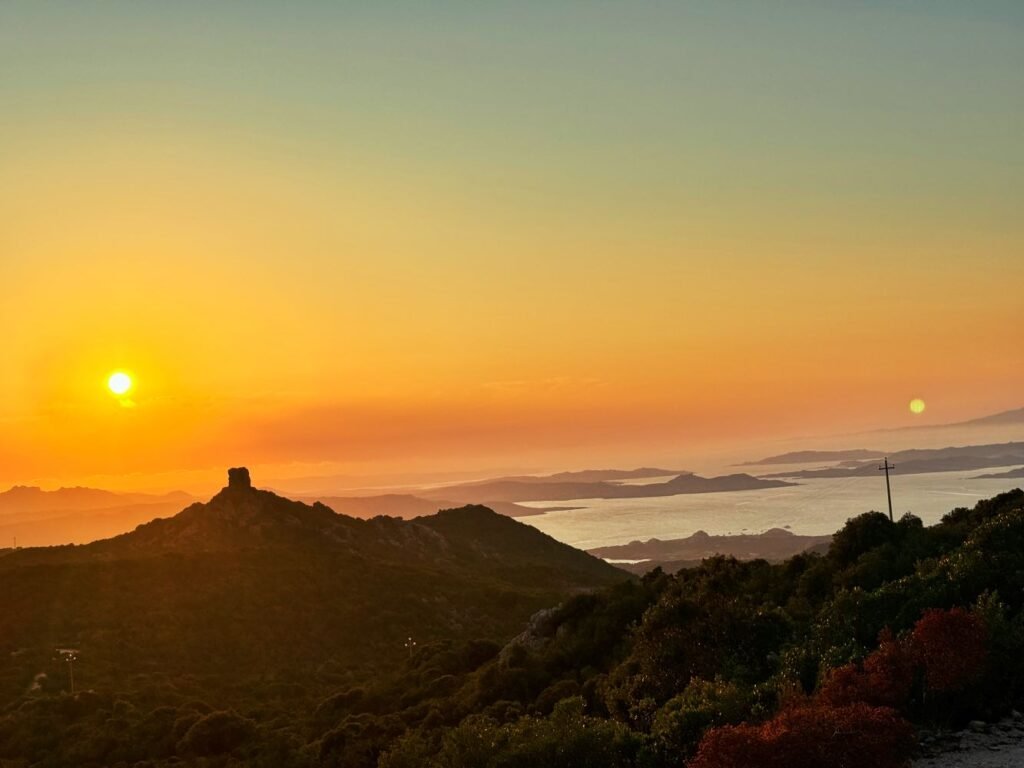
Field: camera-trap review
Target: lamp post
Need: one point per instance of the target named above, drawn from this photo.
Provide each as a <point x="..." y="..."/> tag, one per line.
<point x="70" y="656"/>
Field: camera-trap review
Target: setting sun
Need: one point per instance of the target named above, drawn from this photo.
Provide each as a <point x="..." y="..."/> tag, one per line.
<point x="119" y="383"/>
<point x="917" y="405"/>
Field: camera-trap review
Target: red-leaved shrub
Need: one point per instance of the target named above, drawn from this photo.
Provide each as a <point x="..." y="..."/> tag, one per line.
<point x="951" y="646"/>
<point x="852" y="721"/>
<point x="812" y="736"/>
<point x="947" y="649"/>
<point x="884" y="680"/>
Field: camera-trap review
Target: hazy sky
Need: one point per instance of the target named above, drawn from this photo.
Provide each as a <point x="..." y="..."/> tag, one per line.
<point x="477" y="234"/>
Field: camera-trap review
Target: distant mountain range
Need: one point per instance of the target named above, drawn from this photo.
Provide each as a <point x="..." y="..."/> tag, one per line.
<point x="33" y="517"/>
<point x="670" y="555"/>
<point x="548" y="489"/>
<point x="807" y="457"/>
<point x="30" y="499"/>
<point x="1009" y="418"/>
<point x="1001" y="419"/>
<point x="925" y="460"/>
<point x="586" y="476"/>
<point x="1009" y="474"/>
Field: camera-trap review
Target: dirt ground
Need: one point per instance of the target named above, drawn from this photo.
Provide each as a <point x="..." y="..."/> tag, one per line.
<point x="980" y="745"/>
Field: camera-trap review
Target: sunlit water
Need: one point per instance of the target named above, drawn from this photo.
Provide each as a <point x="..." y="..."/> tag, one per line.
<point x="817" y="506"/>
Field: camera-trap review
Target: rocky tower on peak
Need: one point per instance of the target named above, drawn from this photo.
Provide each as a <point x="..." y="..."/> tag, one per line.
<point x="238" y="479"/>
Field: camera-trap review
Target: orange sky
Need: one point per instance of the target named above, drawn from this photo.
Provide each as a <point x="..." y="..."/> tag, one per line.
<point x="555" y="258"/>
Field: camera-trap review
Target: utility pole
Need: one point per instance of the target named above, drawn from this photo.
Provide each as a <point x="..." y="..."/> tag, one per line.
<point x="888" y="492"/>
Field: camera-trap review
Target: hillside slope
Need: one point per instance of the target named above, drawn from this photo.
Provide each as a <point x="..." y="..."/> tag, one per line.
<point x="821" y="660"/>
<point x="250" y="584"/>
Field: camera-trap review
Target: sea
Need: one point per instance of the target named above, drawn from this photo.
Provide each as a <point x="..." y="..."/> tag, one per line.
<point x="813" y="507"/>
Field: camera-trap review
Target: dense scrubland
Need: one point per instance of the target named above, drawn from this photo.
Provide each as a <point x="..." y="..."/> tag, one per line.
<point x="294" y="650"/>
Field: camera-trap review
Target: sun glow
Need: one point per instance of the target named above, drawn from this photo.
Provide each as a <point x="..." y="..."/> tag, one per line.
<point x="120" y="383"/>
<point x="917" y="405"/>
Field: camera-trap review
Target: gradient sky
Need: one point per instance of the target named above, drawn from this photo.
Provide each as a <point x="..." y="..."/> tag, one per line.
<point x="330" y="236"/>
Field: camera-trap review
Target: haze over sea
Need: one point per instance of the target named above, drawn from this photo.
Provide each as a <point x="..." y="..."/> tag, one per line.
<point x="814" y="507"/>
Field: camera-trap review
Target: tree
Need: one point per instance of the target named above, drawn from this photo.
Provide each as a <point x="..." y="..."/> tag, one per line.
<point x="216" y="734"/>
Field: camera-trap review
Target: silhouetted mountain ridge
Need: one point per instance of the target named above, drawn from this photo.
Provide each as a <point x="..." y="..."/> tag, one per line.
<point x="408" y="506"/>
<point x="243" y="518"/>
<point x="250" y="580"/>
